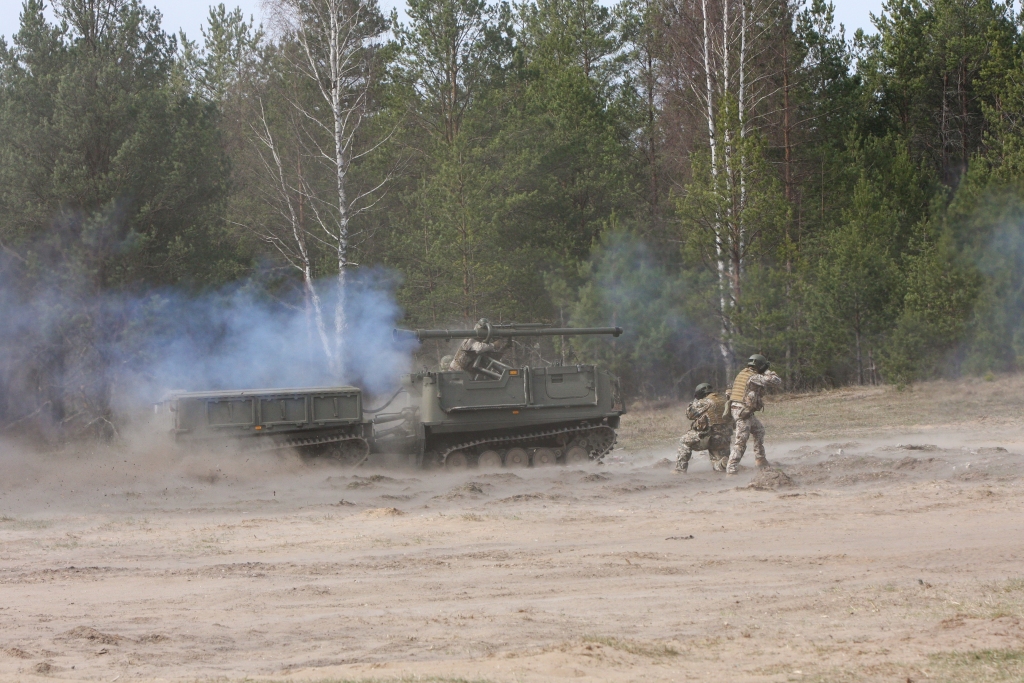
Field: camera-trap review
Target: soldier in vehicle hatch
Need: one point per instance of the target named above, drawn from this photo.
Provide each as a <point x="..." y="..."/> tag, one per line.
<point x="710" y="429"/>
<point x="470" y="349"/>
<point x="745" y="399"/>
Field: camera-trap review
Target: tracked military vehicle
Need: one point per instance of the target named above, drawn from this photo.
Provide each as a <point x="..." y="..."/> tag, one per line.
<point x="490" y="415"/>
<point x="496" y="415"/>
<point x="316" y="421"/>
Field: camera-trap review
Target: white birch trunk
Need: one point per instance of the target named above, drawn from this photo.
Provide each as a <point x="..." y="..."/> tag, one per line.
<point x="741" y="115"/>
<point x="341" y="162"/>
<point x="342" y="81"/>
<point x="727" y="163"/>
<point x="721" y="256"/>
<point x="297" y="251"/>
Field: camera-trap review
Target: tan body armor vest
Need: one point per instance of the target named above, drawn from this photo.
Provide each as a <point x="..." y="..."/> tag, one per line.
<point x="739" y="387"/>
<point x="718" y="413"/>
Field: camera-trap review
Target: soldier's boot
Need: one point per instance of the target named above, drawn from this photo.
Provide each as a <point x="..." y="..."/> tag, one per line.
<point x="680" y="468"/>
<point x="734" y="463"/>
<point x="762" y="463"/>
<point x="719" y="464"/>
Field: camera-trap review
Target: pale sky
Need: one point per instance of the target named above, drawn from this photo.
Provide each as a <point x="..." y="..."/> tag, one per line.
<point x="191" y="14"/>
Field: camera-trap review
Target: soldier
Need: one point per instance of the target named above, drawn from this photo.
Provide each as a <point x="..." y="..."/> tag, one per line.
<point x="710" y="429"/>
<point x="470" y="349"/>
<point x="745" y="399"/>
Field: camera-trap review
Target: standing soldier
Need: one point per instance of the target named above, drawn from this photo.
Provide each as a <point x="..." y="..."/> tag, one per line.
<point x="745" y="399"/>
<point x="710" y="429"/>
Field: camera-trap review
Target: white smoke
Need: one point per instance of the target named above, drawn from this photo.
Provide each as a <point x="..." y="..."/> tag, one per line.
<point x="68" y="359"/>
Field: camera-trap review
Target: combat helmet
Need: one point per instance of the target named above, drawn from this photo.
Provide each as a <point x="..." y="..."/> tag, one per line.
<point x="702" y="390"/>
<point x="758" y="362"/>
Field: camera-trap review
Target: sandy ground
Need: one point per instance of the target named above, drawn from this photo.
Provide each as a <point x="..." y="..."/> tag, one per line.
<point x="889" y="546"/>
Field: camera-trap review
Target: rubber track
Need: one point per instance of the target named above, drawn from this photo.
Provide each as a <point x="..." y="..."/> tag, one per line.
<point x="313" y="441"/>
<point x="594" y="455"/>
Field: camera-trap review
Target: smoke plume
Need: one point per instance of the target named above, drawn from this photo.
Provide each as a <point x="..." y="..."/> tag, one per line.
<point x="71" y="362"/>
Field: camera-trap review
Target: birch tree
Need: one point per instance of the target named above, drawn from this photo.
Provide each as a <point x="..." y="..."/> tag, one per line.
<point x="327" y="49"/>
<point x="721" y="74"/>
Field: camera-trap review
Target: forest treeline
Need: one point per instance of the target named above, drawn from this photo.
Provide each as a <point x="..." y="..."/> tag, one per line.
<point x="719" y="177"/>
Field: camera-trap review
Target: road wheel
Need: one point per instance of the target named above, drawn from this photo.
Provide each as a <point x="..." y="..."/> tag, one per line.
<point x="576" y="456"/>
<point x="348" y="453"/>
<point x="456" y="461"/>
<point x="544" y="457"/>
<point x="517" y="457"/>
<point x="489" y="460"/>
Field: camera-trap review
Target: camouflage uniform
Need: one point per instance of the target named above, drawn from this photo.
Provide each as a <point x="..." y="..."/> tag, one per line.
<point x="467" y="354"/>
<point x="709" y="421"/>
<point x="744" y="411"/>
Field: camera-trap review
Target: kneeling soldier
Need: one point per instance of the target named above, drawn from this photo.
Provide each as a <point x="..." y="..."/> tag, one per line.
<point x="710" y="429"/>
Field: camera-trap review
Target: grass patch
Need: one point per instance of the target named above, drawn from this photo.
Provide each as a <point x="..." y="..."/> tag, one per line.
<point x="884" y="672"/>
<point x="651" y="650"/>
<point x="399" y="679"/>
<point x="992" y="600"/>
<point x="15" y="523"/>
<point x="979" y="666"/>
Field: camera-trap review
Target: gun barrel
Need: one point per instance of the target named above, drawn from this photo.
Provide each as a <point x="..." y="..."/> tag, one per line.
<point x="506" y="333"/>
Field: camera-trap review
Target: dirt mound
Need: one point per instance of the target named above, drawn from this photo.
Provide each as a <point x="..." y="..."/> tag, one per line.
<point x="910" y="463"/>
<point x="397" y="496"/>
<point x="471" y="489"/>
<point x="381" y="479"/>
<point x="868" y="478"/>
<point x="521" y="497"/>
<point x="92" y="635"/>
<point x="771" y="479"/>
<point x="662" y="464"/>
<point x="383" y="512"/>
<point x="17" y="653"/>
<point x="596" y="476"/>
<point x="506" y="477"/>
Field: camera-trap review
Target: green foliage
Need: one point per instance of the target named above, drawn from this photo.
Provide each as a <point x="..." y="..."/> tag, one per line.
<point x="940" y="293"/>
<point x="660" y="349"/>
<point x="113" y="180"/>
<point x="854" y="211"/>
